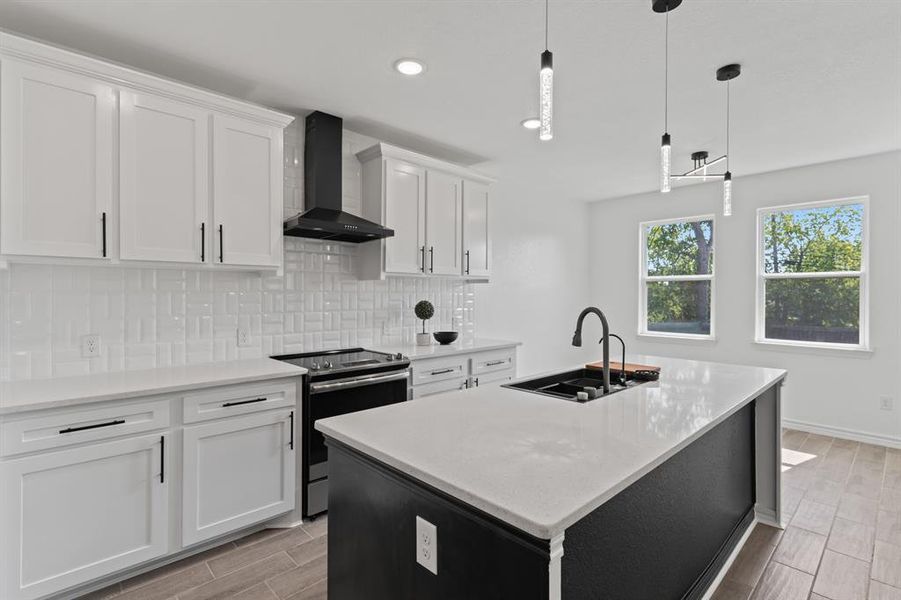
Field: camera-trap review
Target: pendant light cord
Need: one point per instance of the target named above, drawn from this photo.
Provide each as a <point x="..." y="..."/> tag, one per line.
<point x="546" y="11"/>
<point x="666" y="75"/>
<point x="727" y="123"/>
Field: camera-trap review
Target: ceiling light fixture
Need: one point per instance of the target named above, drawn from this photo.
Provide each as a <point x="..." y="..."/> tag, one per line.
<point x="665" y="6"/>
<point x="546" y="87"/>
<point x="531" y="123"/>
<point x="409" y="66"/>
<point x="727" y="74"/>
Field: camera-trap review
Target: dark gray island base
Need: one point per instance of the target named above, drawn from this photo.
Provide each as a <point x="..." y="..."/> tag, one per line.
<point x="664" y="537"/>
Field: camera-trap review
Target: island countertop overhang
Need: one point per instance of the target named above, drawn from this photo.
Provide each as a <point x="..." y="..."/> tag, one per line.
<point x="540" y="463"/>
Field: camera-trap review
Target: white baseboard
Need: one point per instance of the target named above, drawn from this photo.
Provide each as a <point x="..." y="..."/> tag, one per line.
<point x="847" y="434"/>
<point x="732" y="556"/>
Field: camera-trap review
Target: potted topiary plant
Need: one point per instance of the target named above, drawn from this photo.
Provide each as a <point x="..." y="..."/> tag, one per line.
<point x="424" y="311"/>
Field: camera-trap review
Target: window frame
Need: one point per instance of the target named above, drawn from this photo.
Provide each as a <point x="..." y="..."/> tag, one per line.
<point x="863" y="344"/>
<point x="644" y="279"/>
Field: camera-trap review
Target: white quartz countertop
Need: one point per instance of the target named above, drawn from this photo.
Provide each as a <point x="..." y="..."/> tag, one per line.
<point x="541" y="463"/>
<point x="436" y="350"/>
<point x="34" y="394"/>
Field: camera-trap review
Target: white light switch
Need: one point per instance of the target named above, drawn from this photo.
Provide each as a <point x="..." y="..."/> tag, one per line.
<point x="427" y="545"/>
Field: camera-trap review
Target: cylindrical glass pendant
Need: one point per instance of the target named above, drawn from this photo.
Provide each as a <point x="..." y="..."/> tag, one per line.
<point x="546" y="96"/>
<point x="727" y="194"/>
<point x="665" y="163"/>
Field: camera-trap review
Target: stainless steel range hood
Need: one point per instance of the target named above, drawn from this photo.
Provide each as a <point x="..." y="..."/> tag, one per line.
<point x="324" y="218"/>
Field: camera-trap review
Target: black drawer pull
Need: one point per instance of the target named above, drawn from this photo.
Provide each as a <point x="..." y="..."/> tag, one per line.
<point x="494" y="363"/>
<point x="221" y="245"/>
<point x="240" y="402"/>
<point x="162" y="459"/>
<point x="442" y="372"/>
<point x="103" y="221"/>
<point x="203" y="242"/>
<point x="96" y="426"/>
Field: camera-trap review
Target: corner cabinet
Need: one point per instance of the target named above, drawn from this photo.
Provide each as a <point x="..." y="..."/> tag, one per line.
<point x="197" y="180"/>
<point x="438" y="211"/>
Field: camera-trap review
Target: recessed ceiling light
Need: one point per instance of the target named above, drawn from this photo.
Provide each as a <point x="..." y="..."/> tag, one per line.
<point x="531" y="123"/>
<point x="409" y="66"/>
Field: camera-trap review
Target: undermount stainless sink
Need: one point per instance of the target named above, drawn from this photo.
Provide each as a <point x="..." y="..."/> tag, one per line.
<point x="568" y="384"/>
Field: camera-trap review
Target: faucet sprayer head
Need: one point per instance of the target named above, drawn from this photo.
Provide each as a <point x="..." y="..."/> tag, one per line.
<point x="577" y="339"/>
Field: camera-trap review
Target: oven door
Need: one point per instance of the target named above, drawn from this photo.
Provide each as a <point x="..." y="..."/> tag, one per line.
<point x="335" y="397"/>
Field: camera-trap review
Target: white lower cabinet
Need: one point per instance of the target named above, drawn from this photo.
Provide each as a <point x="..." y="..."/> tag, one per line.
<point x="236" y="472"/>
<point x="437" y="375"/>
<point x="94" y="492"/>
<point x="78" y="514"/>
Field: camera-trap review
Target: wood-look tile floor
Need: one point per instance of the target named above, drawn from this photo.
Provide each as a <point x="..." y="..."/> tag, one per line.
<point x="842" y="503"/>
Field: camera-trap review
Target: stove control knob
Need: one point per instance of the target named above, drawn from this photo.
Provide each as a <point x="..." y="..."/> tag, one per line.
<point x="399" y="356"/>
<point x="390" y="357"/>
<point x="315" y="366"/>
<point x="327" y="364"/>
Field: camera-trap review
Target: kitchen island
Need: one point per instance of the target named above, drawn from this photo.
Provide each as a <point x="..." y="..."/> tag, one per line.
<point x="645" y="493"/>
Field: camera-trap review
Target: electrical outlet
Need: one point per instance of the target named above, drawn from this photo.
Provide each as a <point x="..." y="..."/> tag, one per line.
<point x="243" y="337"/>
<point x="90" y="345"/>
<point x="886" y="403"/>
<point x="427" y="545"/>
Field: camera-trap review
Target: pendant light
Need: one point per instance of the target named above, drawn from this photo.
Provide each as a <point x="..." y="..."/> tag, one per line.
<point x="665" y="6"/>
<point x="546" y="88"/>
<point x="727" y="74"/>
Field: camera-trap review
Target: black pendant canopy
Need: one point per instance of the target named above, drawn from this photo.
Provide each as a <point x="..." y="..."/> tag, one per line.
<point x="728" y="72"/>
<point x="662" y="6"/>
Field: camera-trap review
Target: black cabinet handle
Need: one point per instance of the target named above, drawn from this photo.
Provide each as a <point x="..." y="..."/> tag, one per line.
<point x="221" y="246"/>
<point x="240" y="402"/>
<point x="422" y="259"/>
<point x="494" y="363"/>
<point x="467" y="262"/>
<point x="476" y="381"/>
<point x="442" y="371"/>
<point x="96" y="426"/>
<point x="431" y="259"/>
<point x="291" y="441"/>
<point x="162" y="459"/>
<point x="103" y="226"/>
<point x="203" y="242"/>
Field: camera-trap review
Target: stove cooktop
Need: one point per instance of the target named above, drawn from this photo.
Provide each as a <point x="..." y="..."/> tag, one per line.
<point x="339" y="361"/>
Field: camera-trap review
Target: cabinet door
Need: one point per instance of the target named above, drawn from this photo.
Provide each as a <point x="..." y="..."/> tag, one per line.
<point x="56" y="162"/>
<point x="72" y="516"/>
<point x="163" y="178"/>
<point x="237" y="472"/>
<point x="247" y="192"/>
<point x="476" y="247"/>
<point x="443" y="217"/>
<point x="405" y="214"/>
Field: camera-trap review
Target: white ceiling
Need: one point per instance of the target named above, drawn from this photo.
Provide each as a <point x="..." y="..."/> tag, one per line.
<point x="821" y="80"/>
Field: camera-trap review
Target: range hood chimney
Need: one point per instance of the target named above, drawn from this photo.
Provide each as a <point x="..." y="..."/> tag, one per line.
<point x="324" y="218"/>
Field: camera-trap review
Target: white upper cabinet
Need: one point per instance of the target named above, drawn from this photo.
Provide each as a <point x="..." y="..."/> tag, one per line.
<point x="424" y="200"/>
<point x="56" y="162"/>
<point x="199" y="175"/>
<point x="163" y="179"/>
<point x="247" y="192"/>
<point x="476" y="251"/>
<point x="405" y="209"/>
<point x="443" y="220"/>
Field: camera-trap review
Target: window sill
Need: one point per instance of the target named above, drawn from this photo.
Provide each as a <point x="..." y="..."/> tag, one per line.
<point x="677" y="336"/>
<point x="815" y="346"/>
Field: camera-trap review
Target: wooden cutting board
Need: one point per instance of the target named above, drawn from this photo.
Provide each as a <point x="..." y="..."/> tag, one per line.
<point x="615" y="365"/>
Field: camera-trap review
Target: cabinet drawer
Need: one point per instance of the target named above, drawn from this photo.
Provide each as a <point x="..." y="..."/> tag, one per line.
<point x="439" y="387"/>
<point x="83" y="425"/>
<point x="495" y="377"/>
<point x="490" y="362"/>
<point x="442" y="369"/>
<point x="238" y="400"/>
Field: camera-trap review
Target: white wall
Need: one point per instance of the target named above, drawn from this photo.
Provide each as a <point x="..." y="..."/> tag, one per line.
<point x="538" y="283"/>
<point x="827" y="389"/>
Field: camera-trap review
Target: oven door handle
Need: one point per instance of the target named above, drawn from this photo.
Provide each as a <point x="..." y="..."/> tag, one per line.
<point x="352" y="382"/>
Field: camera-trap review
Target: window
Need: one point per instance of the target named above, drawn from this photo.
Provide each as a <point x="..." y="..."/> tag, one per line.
<point x="676" y="294"/>
<point x="811" y="284"/>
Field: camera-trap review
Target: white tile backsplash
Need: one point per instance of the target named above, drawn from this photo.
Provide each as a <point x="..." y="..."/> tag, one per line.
<point x="165" y="317"/>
